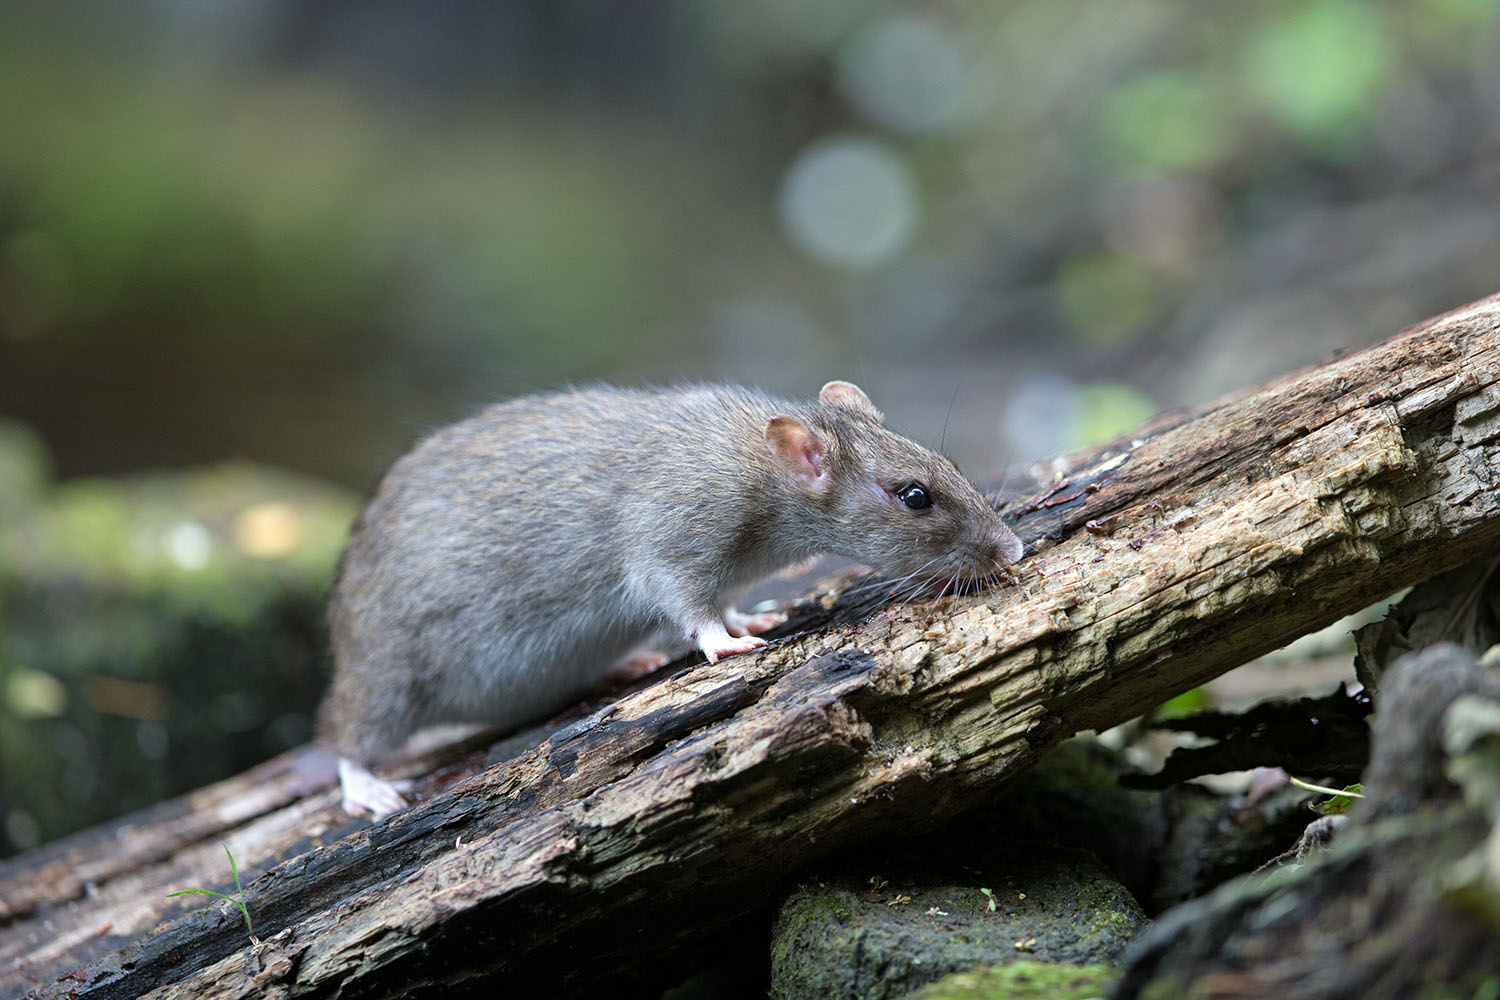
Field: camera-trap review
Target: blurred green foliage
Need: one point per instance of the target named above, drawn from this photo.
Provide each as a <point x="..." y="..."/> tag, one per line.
<point x="1190" y="702"/>
<point x="1319" y="67"/>
<point x="282" y="210"/>
<point x="1109" y="409"/>
<point x="426" y="235"/>
<point x="156" y="632"/>
<point x="1107" y="296"/>
<point x="1168" y="120"/>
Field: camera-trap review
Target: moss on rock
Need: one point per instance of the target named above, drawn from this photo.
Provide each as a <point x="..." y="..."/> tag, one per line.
<point x="157" y="632"/>
<point x="888" y="932"/>
<point x="1024" y="980"/>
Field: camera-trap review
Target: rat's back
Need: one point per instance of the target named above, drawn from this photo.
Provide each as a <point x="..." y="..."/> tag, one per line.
<point x="490" y="579"/>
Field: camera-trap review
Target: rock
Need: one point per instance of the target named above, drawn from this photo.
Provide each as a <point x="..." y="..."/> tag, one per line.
<point x="882" y="933"/>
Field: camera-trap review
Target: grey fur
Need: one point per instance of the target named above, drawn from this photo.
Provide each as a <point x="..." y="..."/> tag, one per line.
<point x="509" y="560"/>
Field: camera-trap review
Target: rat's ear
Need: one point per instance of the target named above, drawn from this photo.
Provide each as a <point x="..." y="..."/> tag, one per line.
<point x="799" y="451"/>
<point x="850" y="396"/>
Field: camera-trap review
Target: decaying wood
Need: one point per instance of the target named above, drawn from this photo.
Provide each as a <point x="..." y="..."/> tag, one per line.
<point x="1402" y="904"/>
<point x="1160" y="562"/>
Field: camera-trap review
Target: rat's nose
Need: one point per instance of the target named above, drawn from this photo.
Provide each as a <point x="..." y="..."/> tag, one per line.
<point x="1007" y="546"/>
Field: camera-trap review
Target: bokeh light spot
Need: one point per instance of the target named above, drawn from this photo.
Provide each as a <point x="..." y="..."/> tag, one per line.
<point x="267" y="530"/>
<point x="34" y="694"/>
<point x="906" y="73"/>
<point x="1166" y="121"/>
<point x="1318" y="67"/>
<point x="189" y="545"/>
<point x="849" y="203"/>
<point x="1108" y="410"/>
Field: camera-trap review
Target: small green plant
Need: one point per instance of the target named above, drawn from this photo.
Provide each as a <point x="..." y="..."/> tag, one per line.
<point x="1340" y="801"/>
<point x="239" y="892"/>
<point x="991" y="897"/>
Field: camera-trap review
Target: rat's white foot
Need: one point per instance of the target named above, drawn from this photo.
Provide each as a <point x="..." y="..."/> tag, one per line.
<point x="365" y="793"/>
<point x="716" y="642"/>
<point x="740" y="624"/>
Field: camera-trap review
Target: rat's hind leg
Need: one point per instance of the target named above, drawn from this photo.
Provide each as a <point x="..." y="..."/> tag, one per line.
<point x="737" y="623"/>
<point x="365" y="793"/>
<point x="368" y="723"/>
<point x="637" y="662"/>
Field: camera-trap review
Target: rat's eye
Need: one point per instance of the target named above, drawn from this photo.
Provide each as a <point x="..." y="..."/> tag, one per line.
<point x="915" y="497"/>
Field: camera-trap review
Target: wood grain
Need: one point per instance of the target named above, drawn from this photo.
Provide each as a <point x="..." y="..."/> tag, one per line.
<point x="1159" y="562"/>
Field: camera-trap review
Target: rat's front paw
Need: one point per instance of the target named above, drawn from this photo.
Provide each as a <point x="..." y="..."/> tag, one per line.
<point x="737" y="623"/>
<point x="366" y="794"/>
<point x="716" y="642"/>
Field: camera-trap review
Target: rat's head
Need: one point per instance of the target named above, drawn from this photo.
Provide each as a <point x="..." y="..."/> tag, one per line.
<point x="885" y="500"/>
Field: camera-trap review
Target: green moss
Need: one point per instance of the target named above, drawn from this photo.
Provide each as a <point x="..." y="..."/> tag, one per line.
<point x="157" y="632"/>
<point x="1022" y="981"/>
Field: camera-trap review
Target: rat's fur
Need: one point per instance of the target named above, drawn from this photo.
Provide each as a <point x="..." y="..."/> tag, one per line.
<point x="510" y="559"/>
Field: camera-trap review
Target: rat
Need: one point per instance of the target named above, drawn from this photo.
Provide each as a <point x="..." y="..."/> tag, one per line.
<point x="508" y="560"/>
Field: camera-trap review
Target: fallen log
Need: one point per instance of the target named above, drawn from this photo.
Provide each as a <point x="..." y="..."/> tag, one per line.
<point x="1159" y="562"/>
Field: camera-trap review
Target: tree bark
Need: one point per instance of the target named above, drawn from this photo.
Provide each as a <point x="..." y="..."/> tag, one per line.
<point x="1159" y="561"/>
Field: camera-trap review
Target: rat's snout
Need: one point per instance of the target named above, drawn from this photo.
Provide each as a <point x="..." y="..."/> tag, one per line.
<point x="1001" y="547"/>
<point x="990" y="548"/>
<point x="1008" y="547"/>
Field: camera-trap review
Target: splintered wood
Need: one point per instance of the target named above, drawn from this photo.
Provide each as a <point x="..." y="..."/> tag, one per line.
<point x="1158" y="562"/>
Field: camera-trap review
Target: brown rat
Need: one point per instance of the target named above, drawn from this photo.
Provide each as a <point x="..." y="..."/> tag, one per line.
<point x="510" y="559"/>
